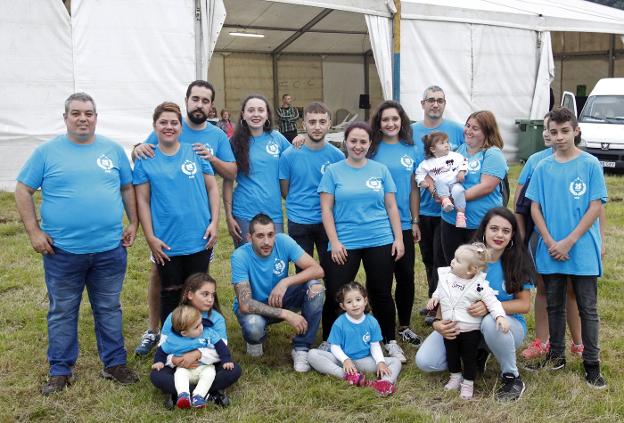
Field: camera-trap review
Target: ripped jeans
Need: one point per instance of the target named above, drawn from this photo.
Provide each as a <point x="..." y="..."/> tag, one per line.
<point x="296" y="298"/>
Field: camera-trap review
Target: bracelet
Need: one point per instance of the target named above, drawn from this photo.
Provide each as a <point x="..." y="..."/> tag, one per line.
<point x="415" y="221"/>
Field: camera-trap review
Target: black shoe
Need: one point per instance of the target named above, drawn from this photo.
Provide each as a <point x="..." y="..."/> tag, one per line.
<point x="219" y="398"/>
<point x="482" y="359"/>
<point x="511" y="389"/>
<point x="423" y="311"/>
<point x="170" y="402"/>
<point x="429" y="320"/>
<point x="549" y="363"/>
<point x="56" y="384"/>
<point x="593" y="377"/>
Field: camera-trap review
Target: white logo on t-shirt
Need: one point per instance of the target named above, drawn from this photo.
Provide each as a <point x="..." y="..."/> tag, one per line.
<point x="278" y="267"/>
<point x="407" y="162"/>
<point x="366" y="337"/>
<point x="374" y="183"/>
<point x="324" y="167"/>
<point x="578" y="188"/>
<point x="105" y="163"/>
<point x="273" y="148"/>
<point x="474" y="165"/>
<point x="189" y="168"/>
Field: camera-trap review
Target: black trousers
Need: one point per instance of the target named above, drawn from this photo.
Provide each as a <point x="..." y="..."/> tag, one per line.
<point x="378" y="265"/>
<point x="404" y="276"/>
<point x="163" y="379"/>
<point x="463" y="350"/>
<point x="307" y="236"/>
<point x="173" y="274"/>
<point x="431" y="249"/>
<point x="452" y="237"/>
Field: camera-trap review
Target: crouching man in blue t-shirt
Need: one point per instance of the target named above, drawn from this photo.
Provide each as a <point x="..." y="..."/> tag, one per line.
<point x="265" y="294"/>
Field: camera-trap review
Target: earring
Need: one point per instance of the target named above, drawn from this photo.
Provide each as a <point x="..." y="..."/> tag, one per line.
<point x="511" y="244"/>
<point x="267" y="123"/>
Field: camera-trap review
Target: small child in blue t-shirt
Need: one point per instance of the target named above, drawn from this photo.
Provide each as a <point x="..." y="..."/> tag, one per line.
<point x="188" y="335"/>
<point x="355" y="345"/>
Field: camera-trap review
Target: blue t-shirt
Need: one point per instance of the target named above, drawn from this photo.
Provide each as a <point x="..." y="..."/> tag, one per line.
<point x="213" y="138"/>
<point x="531" y="164"/>
<point x="485" y="162"/>
<point x="303" y="169"/>
<point x="214" y="330"/>
<point x="81" y="208"/>
<point x="360" y="213"/>
<point x="496" y="278"/>
<point x="259" y="191"/>
<point x="263" y="273"/>
<point x="402" y="161"/>
<point x="355" y="338"/>
<point x="178" y="198"/>
<point x="455" y="132"/>
<point x="564" y="192"/>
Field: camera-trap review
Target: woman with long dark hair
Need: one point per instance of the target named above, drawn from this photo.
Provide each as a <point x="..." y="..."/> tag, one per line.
<point x="392" y="145"/>
<point x="257" y="149"/>
<point x="509" y="273"/>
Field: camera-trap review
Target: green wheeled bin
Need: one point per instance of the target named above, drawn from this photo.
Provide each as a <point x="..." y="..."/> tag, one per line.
<point x="531" y="139"/>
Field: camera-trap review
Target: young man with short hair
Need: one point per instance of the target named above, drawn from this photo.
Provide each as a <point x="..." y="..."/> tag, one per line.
<point x="288" y="116"/>
<point x="568" y="190"/>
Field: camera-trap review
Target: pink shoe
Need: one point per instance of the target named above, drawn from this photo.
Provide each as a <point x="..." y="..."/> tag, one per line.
<point x="383" y="387"/>
<point x="577" y="350"/>
<point x="355" y="379"/>
<point x="535" y="350"/>
<point x="454" y="383"/>
<point x="460" y="220"/>
<point x="466" y="391"/>
<point x="447" y="204"/>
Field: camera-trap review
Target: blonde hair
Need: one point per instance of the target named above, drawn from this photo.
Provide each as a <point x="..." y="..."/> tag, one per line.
<point x="184" y="317"/>
<point x="480" y="255"/>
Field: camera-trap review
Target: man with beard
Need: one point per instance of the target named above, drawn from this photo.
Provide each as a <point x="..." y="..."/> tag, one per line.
<point x="300" y="171"/>
<point x="211" y="144"/>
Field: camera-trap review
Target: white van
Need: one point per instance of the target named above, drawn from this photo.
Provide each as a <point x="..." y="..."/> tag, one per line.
<point x="602" y="121"/>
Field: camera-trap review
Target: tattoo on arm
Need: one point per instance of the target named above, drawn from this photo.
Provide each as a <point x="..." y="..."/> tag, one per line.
<point x="243" y="293"/>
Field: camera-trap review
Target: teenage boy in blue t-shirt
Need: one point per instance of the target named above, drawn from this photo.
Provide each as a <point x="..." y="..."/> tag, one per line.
<point x="265" y="294"/>
<point x="300" y="172"/>
<point x="567" y="190"/>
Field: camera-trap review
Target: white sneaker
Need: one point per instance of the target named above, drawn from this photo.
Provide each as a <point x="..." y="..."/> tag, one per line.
<point x="254" y="350"/>
<point x="324" y="346"/>
<point x="395" y="351"/>
<point x="466" y="390"/>
<point x="454" y="383"/>
<point x="300" y="361"/>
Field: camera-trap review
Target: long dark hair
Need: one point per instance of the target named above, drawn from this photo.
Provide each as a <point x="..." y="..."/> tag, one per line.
<point x="405" y="133"/>
<point x="194" y="283"/>
<point x="517" y="265"/>
<point x="240" y="137"/>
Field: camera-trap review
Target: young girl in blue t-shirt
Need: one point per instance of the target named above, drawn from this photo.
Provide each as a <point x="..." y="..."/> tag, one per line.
<point x="355" y="345"/>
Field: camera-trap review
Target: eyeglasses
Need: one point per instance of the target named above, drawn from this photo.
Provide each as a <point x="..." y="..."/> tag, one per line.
<point x="432" y="100"/>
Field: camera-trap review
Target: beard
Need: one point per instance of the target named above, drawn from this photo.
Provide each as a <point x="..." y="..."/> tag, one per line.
<point x="197" y="116"/>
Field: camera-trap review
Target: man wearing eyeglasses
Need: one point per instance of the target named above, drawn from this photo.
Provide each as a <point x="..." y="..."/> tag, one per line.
<point x="433" y="105"/>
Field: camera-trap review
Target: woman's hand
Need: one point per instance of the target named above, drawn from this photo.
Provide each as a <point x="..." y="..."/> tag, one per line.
<point x="298" y="141"/>
<point x="210" y="235"/>
<point x="447" y="328"/>
<point x="398" y="249"/>
<point x="158" y="366"/>
<point x="234" y="229"/>
<point x="228" y="366"/>
<point x="477" y="309"/>
<point x="156" y="246"/>
<point x="189" y="360"/>
<point x="416" y="232"/>
<point x="338" y="253"/>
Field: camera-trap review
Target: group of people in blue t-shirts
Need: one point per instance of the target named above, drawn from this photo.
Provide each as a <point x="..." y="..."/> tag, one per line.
<point x="394" y="184"/>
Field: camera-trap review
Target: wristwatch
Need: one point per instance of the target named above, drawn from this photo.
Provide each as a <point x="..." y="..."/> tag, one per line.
<point x="415" y="221"/>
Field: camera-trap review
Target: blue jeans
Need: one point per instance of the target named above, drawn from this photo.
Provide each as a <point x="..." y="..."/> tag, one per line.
<point x="66" y="276"/>
<point x="296" y="298"/>
<point x="431" y="356"/>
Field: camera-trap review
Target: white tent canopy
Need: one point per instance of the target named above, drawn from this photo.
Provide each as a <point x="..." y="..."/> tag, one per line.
<point x="132" y="55"/>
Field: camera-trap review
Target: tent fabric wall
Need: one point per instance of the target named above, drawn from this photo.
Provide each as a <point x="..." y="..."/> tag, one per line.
<point x="380" y="32"/>
<point x="213" y="13"/>
<point x="36" y="75"/>
<point x="545" y="75"/>
<point x="480" y="67"/>
<point x="130" y="65"/>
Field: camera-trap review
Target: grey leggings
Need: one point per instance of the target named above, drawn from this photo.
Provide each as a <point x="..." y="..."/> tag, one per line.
<point x="326" y="363"/>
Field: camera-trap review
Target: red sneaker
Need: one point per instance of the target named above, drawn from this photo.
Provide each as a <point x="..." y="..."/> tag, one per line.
<point x="383" y="387"/>
<point x="184" y="400"/>
<point x="355" y="379"/>
<point x="577" y="350"/>
<point x="536" y="350"/>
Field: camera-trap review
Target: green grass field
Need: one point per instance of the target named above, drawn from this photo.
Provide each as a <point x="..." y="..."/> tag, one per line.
<point x="269" y="389"/>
